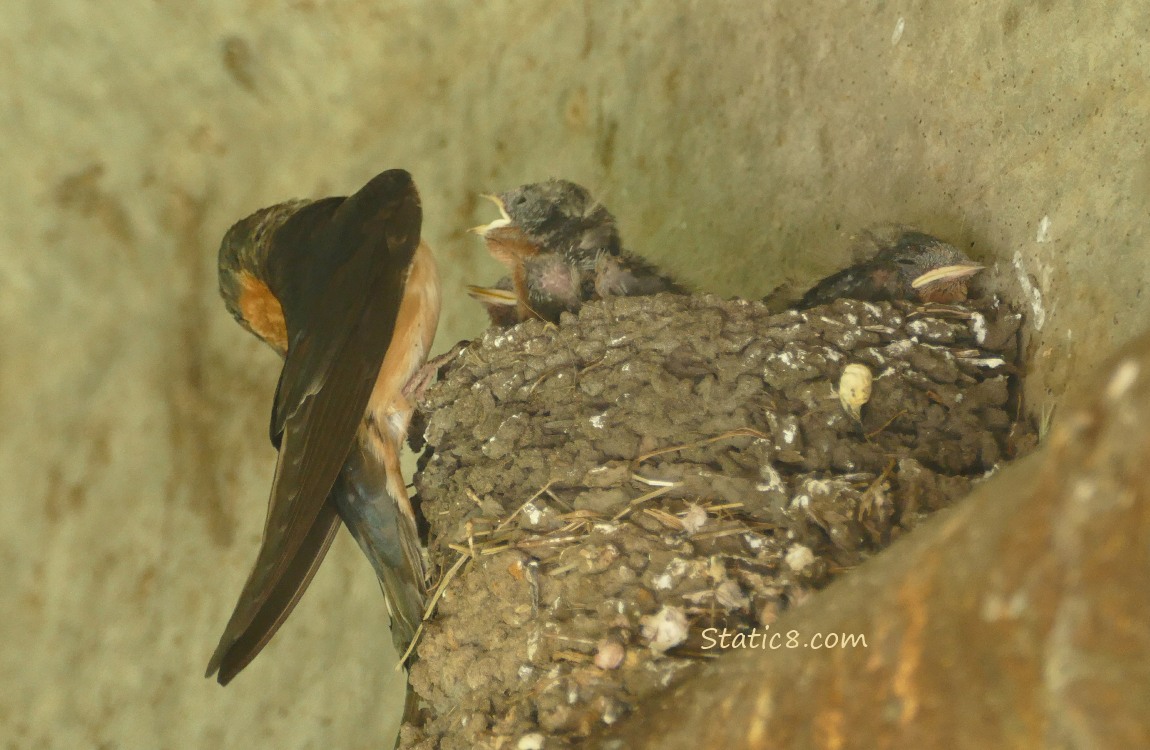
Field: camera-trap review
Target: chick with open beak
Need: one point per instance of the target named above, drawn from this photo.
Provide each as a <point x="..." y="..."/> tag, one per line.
<point x="561" y="248"/>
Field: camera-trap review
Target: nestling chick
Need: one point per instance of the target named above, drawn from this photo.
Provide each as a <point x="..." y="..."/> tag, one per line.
<point x="562" y="249"/>
<point x="911" y="266"/>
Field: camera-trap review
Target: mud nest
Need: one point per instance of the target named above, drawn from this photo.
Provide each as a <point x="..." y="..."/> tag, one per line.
<point x="601" y="492"/>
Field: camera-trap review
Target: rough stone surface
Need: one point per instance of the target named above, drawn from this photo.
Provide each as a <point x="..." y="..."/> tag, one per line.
<point x="738" y="143"/>
<point x="1017" y="619"/>
<point x="655" y="469"/>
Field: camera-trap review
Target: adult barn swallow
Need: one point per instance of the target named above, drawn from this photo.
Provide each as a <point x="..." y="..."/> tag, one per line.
<point x="345" y="290"/>
<point x="910" y="266"/>
<point x="562" y="248"/>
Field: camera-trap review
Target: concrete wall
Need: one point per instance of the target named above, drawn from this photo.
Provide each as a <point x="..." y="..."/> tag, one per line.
<point x="740" y="143"/>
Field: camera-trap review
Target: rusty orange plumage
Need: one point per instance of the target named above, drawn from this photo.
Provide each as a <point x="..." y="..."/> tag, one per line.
<point x="347" y="292"/>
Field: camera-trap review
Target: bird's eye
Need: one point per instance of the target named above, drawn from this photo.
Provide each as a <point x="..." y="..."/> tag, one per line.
<point x="519" y="200"/>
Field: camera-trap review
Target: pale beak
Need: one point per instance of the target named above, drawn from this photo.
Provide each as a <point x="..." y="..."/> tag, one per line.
<point x="503" y="220"/>
<point x="946" y="273"/>
<point x="493" y="296"/>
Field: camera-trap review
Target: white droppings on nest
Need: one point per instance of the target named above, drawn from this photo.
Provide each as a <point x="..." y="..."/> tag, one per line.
<point x="1032" y="294"/>
<point x="753" y="541"/>
<point x="784" y="357"/>
<point x="616" y="342"/>
<point x="517" y="417"/>
<point x="873" y="309"/>
<point x="694" y="519"/>
<point x="942" y="349"/>
<point x="801" y="501"/>
<point x="626" y="367"/>
<point x="989" y="362"/>
<point x="604" y="527"/>
<point x="798" y="557"/>
<point x="665" y="629"/>
<point x="674" y="571"/>
<point x="885" y="373"/>
<point x="525" y="671"/>
<point x="899" y="28"/>
<point x="696" y="597"/>
<point x="773" y="480"/>
<point x="597" y="420"/>
<point x="918" y="327"/>
<point x="533" y="513"/>
<point x="818" y="486"/>
<point x="790" y="432"/>
<point x="533" y="741"/>
<point x="978" y="327"/>
<point x="849" y="339"/>
<point x="898" y="348"/>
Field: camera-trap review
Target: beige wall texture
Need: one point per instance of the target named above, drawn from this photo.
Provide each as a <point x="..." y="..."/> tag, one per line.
<point x="739" y="143"/>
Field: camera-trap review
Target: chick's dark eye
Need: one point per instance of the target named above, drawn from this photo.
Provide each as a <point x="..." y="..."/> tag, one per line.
<point x="519" y="200"/>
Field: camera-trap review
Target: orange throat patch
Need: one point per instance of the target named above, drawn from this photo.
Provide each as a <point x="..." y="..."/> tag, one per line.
<point x="262" y="312"/>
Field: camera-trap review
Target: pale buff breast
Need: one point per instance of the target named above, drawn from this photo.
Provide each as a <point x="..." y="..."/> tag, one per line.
<point x="414" y="330"/>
